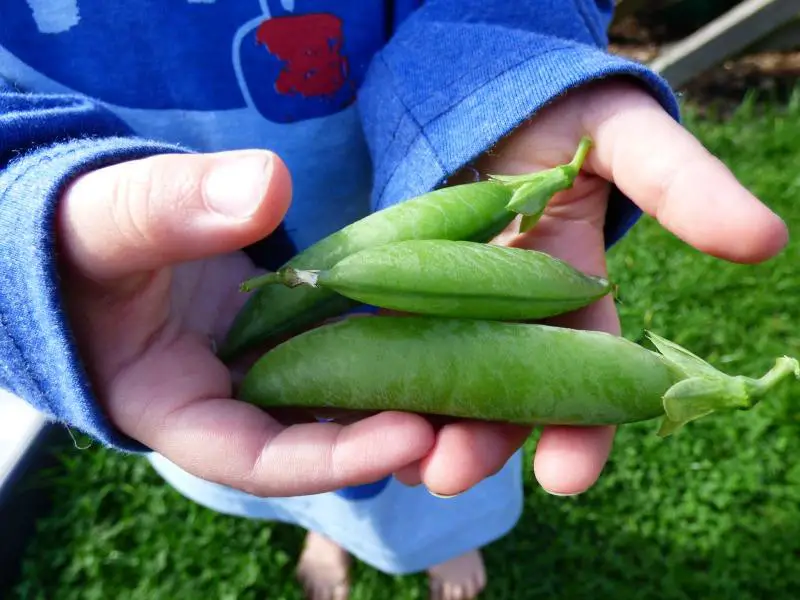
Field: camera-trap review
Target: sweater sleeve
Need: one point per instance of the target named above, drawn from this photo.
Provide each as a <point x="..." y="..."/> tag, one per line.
<point x="45" y="142"/>
<point x="458" y="75"/>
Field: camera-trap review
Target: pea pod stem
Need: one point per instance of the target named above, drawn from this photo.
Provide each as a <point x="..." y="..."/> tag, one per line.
<point x="580" y="155"/>
<point x="784" y="367"/>
<point x="532" y="192"/>
<point x="706" y="390"/>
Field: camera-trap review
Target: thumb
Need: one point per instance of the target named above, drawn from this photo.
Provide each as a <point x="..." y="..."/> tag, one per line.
<point x="146" y="214"/>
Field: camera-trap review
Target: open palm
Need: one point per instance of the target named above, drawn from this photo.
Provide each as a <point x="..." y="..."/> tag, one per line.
<point x="146" y="329"/>
<point x="668" y="174"/>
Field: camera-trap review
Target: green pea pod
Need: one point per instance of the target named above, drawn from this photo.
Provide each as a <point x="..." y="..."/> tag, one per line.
<point x="474" y="211"/>
<point x="490" y="370"/>
<point x="453" y="279"/>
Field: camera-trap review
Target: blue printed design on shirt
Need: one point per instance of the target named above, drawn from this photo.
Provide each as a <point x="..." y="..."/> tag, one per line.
<point x="290" y="60"/>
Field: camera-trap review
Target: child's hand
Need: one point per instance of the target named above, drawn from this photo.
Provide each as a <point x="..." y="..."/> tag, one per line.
<point x="144" y="326"/>
<point x="667" y="173"/>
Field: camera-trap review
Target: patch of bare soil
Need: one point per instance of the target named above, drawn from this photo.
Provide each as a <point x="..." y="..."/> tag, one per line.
<point x="772" y="76"/>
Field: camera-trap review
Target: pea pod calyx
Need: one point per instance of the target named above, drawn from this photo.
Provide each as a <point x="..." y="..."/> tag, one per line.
<point x="288" y="276"/>
<point x="531" y="193"/>
<point x="707" y="390"/>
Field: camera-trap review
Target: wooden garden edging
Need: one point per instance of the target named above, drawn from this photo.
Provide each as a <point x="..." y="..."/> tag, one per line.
<point x="751" y="24"/>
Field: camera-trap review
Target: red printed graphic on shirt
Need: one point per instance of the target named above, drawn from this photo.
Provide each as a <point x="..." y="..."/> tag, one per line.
<point x="310" y="47"/>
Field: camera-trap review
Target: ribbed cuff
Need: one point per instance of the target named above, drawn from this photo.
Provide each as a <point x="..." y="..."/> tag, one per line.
<point x="39" y="361"/>
<point x="427" y="146"/>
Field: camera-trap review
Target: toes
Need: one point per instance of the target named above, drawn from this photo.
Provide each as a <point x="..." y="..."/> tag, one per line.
<point x="451" y="590"/>
<point x="435" y="589"/>
<point x="461" y="578"/>
<point x="319" y="590"/>
<point x="315" y="589"/>
<point x="322" y="570"/>
<point x="340" y="591"/>
<point x="454" y="591"/>
<point x="480" y="581"/>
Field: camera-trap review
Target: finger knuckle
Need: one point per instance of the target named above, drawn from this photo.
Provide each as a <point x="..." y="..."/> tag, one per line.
<point x="130" y="206"/>
<point x="147" y="203"/>
<point x="667" y="184"/>
<point x="253" y="480"/>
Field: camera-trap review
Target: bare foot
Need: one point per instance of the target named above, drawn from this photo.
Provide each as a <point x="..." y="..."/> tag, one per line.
<point x="323" y="569"/>
<point x="461" y="578"/>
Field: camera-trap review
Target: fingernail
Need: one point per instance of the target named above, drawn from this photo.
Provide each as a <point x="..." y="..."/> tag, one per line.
<point x="559" y="494"/>
<point x="235" y="185"/>
<point x="442" y="495"/>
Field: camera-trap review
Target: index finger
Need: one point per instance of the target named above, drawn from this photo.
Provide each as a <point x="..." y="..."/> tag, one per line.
<point x="671" y="176"/>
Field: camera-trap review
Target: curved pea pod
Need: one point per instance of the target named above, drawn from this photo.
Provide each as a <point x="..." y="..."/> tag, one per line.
<point x="490" y="370"/>
<point x="454" y="279"/>
<point x="474" y="211"/>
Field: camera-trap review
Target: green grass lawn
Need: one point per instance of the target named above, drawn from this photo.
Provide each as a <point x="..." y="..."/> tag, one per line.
<point x="713" y="513"/>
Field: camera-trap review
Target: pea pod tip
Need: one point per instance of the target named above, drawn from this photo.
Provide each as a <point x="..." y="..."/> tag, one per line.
<point x="706" y="390"/>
